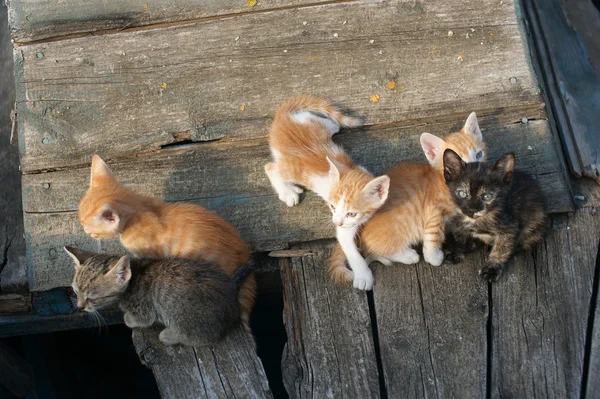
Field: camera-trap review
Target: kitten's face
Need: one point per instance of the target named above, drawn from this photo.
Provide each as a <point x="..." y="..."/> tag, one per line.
<point x="355" y="196"/>
<point x="96" y="212"/>
<point x="478" y="188"/>
<point x="467" y="143"/>
<point x="99" y="280"/>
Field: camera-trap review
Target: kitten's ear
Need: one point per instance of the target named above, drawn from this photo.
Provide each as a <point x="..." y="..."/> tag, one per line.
<point x="377" y="190"/>
<point x="121" y="271"/>
<point x="506" y="166"/>
<point x="433" y="147"/>
<point x="453" y="165"/>
<point x="100" y="172"/>
<point x="472" y="126"/>
<point x="79" y="256"/>
<point x="109" y="218"/>
<point x="334" y="171"/>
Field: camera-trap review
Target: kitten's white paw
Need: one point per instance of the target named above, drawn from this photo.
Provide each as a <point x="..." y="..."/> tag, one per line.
<point x="434" y="257"/>
<point x="297" y="189"/>
<point x="290" y="197"/>
<point x="410" y="257"/>
<point x="363" y="279"/>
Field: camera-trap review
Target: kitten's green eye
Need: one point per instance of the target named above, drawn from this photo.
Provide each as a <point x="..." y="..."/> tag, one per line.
<point x="351" y="215"/>
<point x="462" y="194"/>
<point x="479" y="155"/>
<point x="487" y="197"/>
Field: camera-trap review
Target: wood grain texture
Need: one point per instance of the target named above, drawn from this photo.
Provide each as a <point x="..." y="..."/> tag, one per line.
<point x="330" y="351"/>
<point x="43" y="19"/>
<point x="229" y="369"/>
<point x="14" y="303"/>
<point x="573" y="84"/>
<point x="13" y="264"/>
<point x="540" y="312"/>
<point x="229" y="179"/>
<point x="431" y="323"/>
<point x="593" y="373"/>
<point x="132" y="92"/>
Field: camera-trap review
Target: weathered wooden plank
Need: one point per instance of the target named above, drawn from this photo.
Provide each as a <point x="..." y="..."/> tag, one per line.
<point x="14" y="303"/>
<point x="226" y="370"/>
<point x="592" y="378"/>
<point x="540" y="313"/>
<point x="43" y="19"/>
<point x="133" y="92"/>
<point x="229" y="179"/>
<point x="330" y="350"/>
<point x="431" y="323"/>
<point x="574" y="85"/>
<point x="13" y="265"/>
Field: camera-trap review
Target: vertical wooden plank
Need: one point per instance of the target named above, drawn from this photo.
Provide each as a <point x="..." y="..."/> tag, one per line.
<point x="592" y="387"/>
<point x="432" y="324"/>
<point x="229" y="369"/>
<point x="330" y="351"/>
<point x="540" y="313"/>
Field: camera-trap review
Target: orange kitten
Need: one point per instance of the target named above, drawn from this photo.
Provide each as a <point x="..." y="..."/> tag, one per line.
<point x="417" y="207"/>
<point x="152" y="228"/>
<point x="305" y="155"/>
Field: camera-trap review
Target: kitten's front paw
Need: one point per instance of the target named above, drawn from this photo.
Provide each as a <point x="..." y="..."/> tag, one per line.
<point x="290" y="197"/>
<point x="297" y="189"/>
<point x="491" y="272"/>
<point x="363" y="279"/>
<point x="129" y="321"/>
<point x="168" y="337"/>
<point x="434" y="257"/>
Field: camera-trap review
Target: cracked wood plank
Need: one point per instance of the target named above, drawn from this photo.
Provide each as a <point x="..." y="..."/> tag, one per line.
<point x="330" y="350"/>
<point x="133" y="92"/>
<point x="229" y="179"/>
<point x="432" y="324"/>
<point x="13" y="265"/>
<point x="230" y="369"/>
<point x="540" y="312"/>
<point x="32" y="20"/>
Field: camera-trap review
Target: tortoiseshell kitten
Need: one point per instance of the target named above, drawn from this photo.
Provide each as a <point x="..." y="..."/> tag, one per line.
<point x="502" y="207"/>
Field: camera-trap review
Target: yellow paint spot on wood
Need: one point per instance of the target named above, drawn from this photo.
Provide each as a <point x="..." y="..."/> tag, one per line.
<point x="164" y="85"/>
<point x="107" y="88"/>
<point x="242" y="107"/>
<point x="492" y="34"/>
<point x="402" y="87"/>
<point x="392" y="84"/>
<point x="146" y="6"/>
<point x="375" y="98"/>
<point x="251" y="3"/>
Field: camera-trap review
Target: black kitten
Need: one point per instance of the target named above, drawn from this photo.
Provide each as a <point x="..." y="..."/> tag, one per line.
<point x="500" y="206"/>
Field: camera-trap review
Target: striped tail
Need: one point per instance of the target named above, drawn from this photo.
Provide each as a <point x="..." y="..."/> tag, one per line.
<point x="338" y="271"/>
<point x="241" y="274"/>
<point x="301" y="107"/>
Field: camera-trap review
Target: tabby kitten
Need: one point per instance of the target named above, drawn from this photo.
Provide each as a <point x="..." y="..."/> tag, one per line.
<point x="417" y="207"/>
<point x="152" y="228"/>
<point x="195" y="301"/>
<point x="500" y="206"/>
<point x="305" y="155"/>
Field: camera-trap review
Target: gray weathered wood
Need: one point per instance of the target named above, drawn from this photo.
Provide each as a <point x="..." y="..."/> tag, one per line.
<point x="229" y="178"/>
<point x="540" y="312"/>
<point x="16" y="374"/>
<point x="105" y="94"/>
<point x="13" y="265"/>
<point x="229" y="369"/>
<point x="431" y="323"/>
<point x="573" y="84"/>
<point x="43" y="19"/>
<point x="593" y="377"/>
<point x="330" y="350"/>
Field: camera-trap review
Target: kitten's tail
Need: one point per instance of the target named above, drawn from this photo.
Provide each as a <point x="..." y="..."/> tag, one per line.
<point x="239" y="276"/>
<point x="320" y="107"/>
<point x="338" y="271"/>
